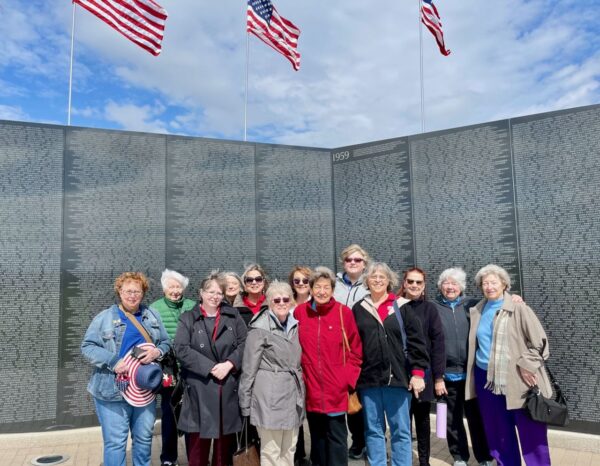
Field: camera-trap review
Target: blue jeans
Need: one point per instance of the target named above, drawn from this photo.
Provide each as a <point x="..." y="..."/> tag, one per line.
<point x="117" y="418"/>
<point x="393" y="403"/>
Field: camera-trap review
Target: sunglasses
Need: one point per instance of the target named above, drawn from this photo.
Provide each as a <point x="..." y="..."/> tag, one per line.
<point x="258" y="279"/>
<point x="358" y="260"/>
<point x="297" y="281"/>
<point x="414" y="282"/>
<point x="281" y="300"/>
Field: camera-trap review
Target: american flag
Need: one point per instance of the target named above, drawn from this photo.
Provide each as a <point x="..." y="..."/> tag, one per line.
<point x="265" y="23"/>
<point x="431" y="19"/>
<point x="141" y="21"/>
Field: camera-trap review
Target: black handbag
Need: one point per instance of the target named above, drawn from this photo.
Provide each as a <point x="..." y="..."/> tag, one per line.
<point x="553" y="412"/>
<point x="176" y="402"/>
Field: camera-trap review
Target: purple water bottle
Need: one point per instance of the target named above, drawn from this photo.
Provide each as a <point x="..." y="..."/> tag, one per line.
<point x="441" y="414"/>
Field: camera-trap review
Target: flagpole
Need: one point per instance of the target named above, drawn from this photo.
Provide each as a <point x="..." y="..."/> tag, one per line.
<point x="421" y="69"/>
<point x="71" y="66"/>
<point x="246" y="93"/>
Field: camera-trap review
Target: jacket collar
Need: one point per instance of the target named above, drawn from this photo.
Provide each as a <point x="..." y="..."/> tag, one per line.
<point x="507" y="304"/>
<point x="266" y="320"/>
<point x="321" y="308"/>
<point x="343" y="278"/>
<point x="367" y="304"/>
<point x="238" y="301"/>
<point x="444" y="302"/>
<point x="226" y="310"/>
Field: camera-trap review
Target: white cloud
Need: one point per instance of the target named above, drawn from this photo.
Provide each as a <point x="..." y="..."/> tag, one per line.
<point x="136" y="118"/>
<point x="359" y="79"/>
<point x="12" y="113"/>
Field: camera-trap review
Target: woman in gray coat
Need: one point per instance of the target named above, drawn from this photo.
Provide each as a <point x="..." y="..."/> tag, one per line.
<point x="271" y="386"/>
<point x="209" y="344"/>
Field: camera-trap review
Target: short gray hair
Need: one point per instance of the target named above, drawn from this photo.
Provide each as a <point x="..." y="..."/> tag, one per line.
<point x="456" y="274"/>
<point x="226" y="275"/>
<point x="493" y="269"/>
<point x="173" y="275"/>
<point x="321" y="272"/>
<point x="392" y="276"/>
<point x="277" y="287"/>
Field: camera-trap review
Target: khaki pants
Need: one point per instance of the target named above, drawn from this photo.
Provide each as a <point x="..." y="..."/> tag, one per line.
<point x="277" y="447"/>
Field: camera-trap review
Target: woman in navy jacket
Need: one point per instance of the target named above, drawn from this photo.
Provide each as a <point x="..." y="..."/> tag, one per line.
<point x="413" y="289"/>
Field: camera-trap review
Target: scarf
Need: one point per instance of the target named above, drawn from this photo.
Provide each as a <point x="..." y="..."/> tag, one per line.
<point x="254" y="308"/>
<point x="497" y="372"/>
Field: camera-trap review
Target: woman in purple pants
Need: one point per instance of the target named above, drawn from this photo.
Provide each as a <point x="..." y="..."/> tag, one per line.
<point x="507" y="351"/>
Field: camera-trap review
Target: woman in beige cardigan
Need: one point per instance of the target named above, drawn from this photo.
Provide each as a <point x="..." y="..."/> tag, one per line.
<point x="507" y="350"/>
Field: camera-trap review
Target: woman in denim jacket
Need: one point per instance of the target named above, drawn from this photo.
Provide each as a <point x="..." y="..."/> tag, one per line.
<point x="108" y="339"/>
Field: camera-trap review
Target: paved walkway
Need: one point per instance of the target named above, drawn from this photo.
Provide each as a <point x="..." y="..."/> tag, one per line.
<point x="84" y="447"/>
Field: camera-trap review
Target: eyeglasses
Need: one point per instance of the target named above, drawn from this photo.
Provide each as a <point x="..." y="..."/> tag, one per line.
<point x="490" y="283"/>
<point x="258" y="279"/>
<point x="358" y="260"/>
<point x="414" y="282"/>
<point x="284" y="300"/>
<point x="212" y="293"/>
<point x="132" y="292"/>
<point x="377" y="278"/>
<point x="297" y="281"/>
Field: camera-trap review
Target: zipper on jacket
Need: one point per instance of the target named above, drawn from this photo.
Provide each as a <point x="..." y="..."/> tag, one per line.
<point x="456" y="332"/>
<point x="319" y="358"/>
<point x="387" y="347"/>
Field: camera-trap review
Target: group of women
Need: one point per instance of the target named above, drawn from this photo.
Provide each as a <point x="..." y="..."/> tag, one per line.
<point x="275" y="353"/>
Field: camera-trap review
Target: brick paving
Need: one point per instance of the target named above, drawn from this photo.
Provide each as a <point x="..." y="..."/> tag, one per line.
<point x="84" y="448"/>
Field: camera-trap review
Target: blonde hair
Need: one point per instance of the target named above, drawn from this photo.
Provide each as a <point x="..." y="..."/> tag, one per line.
<point x="351" y="250"/>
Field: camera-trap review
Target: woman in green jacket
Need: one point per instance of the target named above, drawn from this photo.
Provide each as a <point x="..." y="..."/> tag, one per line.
<point x="170" y="307"/>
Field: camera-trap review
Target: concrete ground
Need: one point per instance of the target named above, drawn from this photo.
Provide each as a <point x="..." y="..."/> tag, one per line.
<point x="84" y="447"/>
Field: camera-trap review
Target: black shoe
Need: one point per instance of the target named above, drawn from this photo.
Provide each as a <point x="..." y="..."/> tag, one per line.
<point x="356" y="453"/>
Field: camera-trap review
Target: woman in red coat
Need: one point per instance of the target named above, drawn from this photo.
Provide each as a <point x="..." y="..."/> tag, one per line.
<point x="330" y="370"/>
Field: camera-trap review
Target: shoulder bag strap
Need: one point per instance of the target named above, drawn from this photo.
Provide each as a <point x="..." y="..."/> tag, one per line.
<point x="553" y="382"/>
<point x="139" y="326"/>
<point x="345" y="344"/>
<point x="402" y="329"/>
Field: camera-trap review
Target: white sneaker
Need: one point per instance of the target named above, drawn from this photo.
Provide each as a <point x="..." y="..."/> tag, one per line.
<point x="486" y="463"/>
<point x="460" y="463"/>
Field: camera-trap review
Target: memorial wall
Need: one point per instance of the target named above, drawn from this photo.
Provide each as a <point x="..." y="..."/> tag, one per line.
<point x="79" y="206"/>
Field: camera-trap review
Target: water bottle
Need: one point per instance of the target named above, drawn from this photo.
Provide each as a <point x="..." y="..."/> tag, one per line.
<point x="441" y="413"/>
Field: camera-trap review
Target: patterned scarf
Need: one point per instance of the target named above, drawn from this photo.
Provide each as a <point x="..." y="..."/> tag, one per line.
<point x="497" y="372"/>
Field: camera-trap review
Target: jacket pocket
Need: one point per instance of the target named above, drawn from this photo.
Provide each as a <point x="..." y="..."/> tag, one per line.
<point x="108" y="338"/>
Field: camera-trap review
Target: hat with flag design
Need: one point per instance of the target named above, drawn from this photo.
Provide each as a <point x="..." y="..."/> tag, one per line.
<point x="144" y="379"/>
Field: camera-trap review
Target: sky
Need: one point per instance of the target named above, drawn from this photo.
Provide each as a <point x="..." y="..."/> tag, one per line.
<point x="359" y="79"/>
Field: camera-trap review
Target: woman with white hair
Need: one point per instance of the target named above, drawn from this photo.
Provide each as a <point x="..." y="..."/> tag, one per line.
<point x="453" y="308"/>
<point x="507" y="352"/>
<point x="271" y="386"/>
<point x="170" y="307"/>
